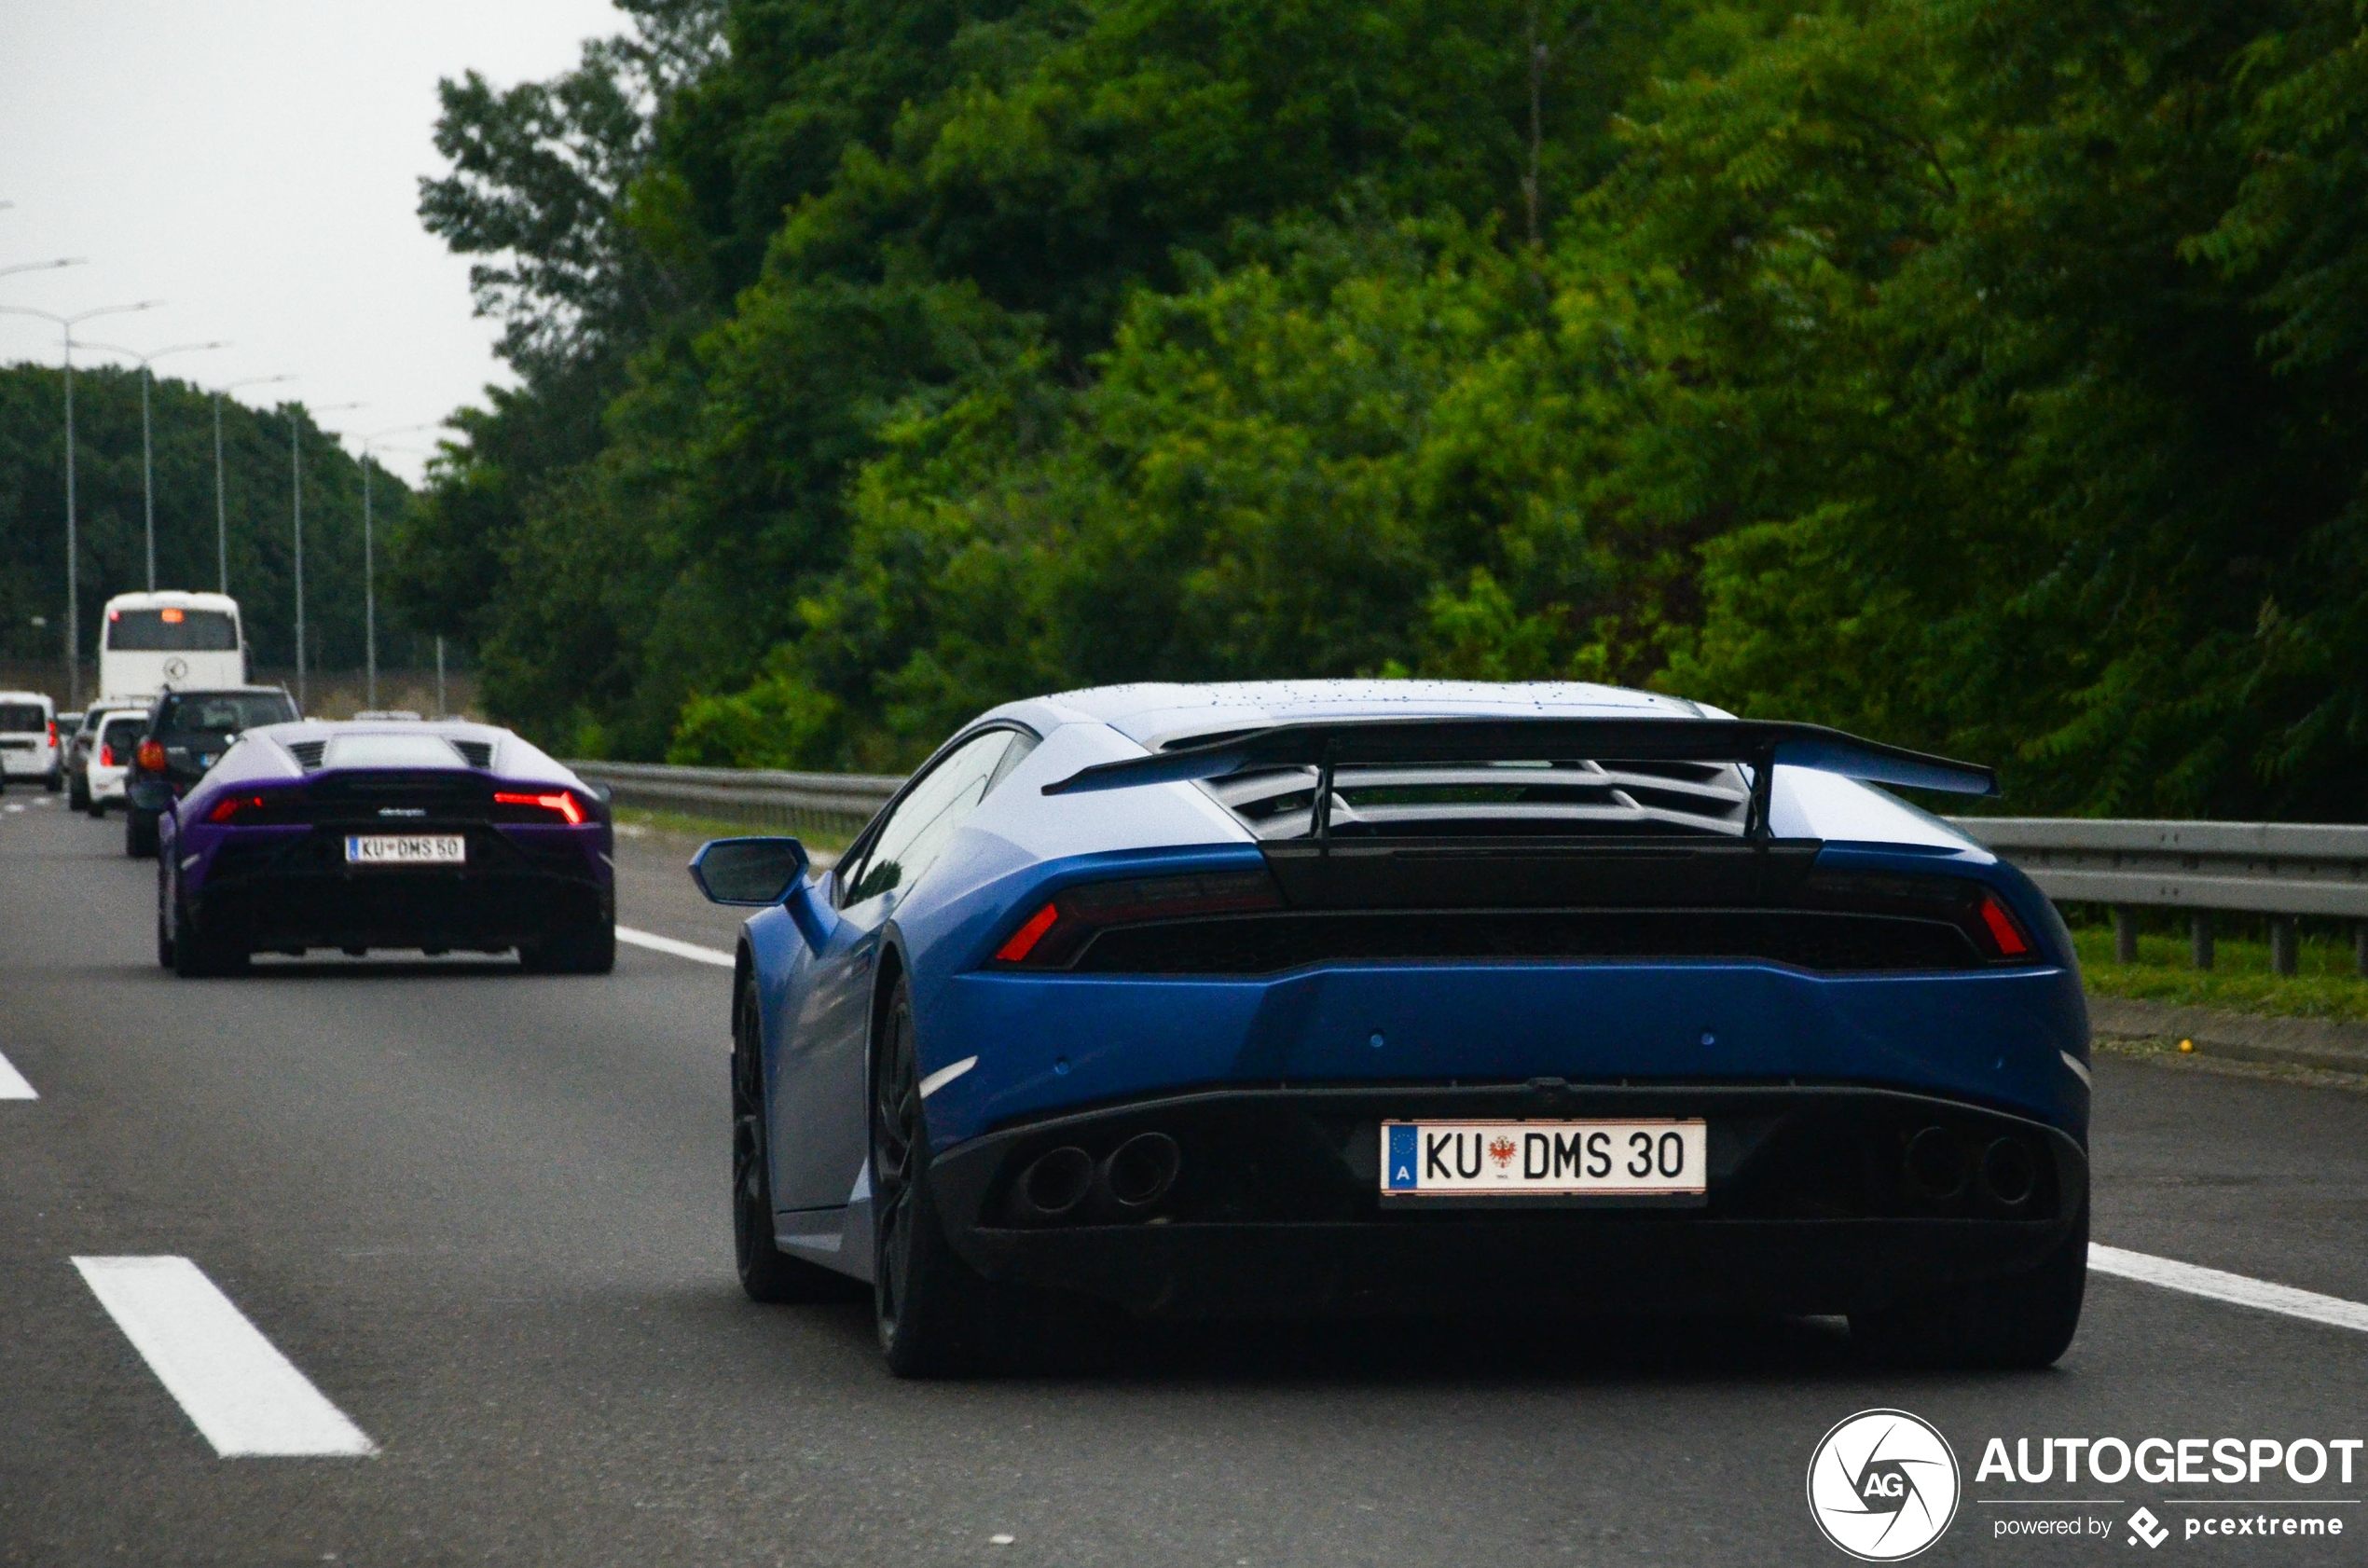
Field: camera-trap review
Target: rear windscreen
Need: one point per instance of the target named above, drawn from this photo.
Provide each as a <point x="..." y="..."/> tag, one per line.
<point x="22" y="718"/>
<point x="122" y="735"/>
<point x="172" y="631"/>
<point x="226" y="711"/>
<point x="392" y="750"/>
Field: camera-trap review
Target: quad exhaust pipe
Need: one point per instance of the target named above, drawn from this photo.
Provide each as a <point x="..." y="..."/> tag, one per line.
<point x="1053" y="1186"/>
<point x="1939" y="1168"/>
<point x="1125" y="1184"/>
<point x="1139" y="1172"/>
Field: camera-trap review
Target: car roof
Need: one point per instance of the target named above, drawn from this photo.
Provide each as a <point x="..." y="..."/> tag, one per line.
<point x="172" y="599"/>
<point x="1155" y="713"/>
<point x="326" y="729"/>
<point x="27" y="696"/>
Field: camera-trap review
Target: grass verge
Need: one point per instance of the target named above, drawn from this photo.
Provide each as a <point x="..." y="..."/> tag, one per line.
<point x="634" y="820"/>
<point x="2239" y="980"/>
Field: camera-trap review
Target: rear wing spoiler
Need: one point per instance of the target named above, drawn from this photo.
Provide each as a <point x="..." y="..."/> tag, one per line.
<point x="1325" y="744"/>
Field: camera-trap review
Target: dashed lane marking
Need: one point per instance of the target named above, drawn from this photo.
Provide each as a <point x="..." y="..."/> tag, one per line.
<point x="12" y="1084"/>
<point x="246" y="1398"/>
<point x="692" y="951"/>
<point x="2238" y="1289"/>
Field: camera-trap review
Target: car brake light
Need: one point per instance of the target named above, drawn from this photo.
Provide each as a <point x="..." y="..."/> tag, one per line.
<point x="1024" y="940"/>
<point x="1058" y="933"/>
<point x="562" y="803"/>
<point x="106" y="755"/>
<point x="151" y="756"/>
<point x="53" y="732"/>
<point x="232" y="805"/>
<point x="2003" y="931"/>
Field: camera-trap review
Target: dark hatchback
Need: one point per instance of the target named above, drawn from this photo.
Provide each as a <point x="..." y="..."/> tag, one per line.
<point x="188" y="733"/>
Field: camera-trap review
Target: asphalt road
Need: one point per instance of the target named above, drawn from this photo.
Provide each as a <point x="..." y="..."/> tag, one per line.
<point x="483" y="1213"/>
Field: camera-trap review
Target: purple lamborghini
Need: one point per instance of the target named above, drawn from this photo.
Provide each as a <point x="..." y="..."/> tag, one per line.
<point x="385" y="834"/>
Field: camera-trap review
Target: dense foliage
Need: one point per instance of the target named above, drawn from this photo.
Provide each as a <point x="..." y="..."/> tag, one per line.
<point x="256" y="507"/>
<point x="1984" y="375"/>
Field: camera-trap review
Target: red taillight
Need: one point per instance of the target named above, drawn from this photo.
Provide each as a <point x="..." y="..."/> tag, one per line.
<point x="1056" y="933"/>
<point x="151" y="755"/>
<point x="232" y="805"/>
<point x="562" y="803"/>
<point x="1024" y="940"/>
<point x="2009" y="936"/>
<point x="53" y="732"/>
<point x="106" y="755"/>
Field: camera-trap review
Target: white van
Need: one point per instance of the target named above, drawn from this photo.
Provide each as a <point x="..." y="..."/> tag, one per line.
<point x="149" y="642"/>
<point x="29" y="738"/>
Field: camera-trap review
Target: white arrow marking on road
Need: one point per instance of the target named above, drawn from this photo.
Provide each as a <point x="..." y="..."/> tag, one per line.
<point x="692" y="951"/>
<point x="246" y="1398"/>
<point x="2238" y="1289"/>
<point x="12" y="1084"/>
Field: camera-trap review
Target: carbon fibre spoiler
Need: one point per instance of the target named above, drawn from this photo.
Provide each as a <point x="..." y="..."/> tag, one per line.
<point x="1756" y="743"/>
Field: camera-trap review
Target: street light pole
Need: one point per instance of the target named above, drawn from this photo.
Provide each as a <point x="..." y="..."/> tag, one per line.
<point x="369" y="563"/>
<point x="221" y="504"/>
<point x="296" y="487"/>
<point x="74" y="609"/>
<point x="44" y="266"/>
<point x="148" y="458"/>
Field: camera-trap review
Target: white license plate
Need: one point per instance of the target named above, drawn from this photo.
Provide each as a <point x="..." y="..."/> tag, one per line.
<point x="406" y="850"/>
<point x="1631" y="1159"/>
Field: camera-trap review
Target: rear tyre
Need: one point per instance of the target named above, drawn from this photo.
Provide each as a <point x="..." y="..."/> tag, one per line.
<point x="586" y="949"/>
<point x="198" y="955"/>
<point x="139" y="833"/>
<point x="767" y="1272"/>
<point x="55" y="781"/>
<point x="165" y="943"/>
<point x="2021" y="1322"/>
<point x="78" y="792"/>
<point x="936" y="1316"/>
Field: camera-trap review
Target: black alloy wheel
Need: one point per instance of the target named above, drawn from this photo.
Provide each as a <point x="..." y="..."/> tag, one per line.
<point x="767" y="1272"/>
<point x="936" y="1316"/>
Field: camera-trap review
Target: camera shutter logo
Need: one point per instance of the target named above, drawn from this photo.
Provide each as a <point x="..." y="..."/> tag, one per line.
<point x="1883" y="1485"/>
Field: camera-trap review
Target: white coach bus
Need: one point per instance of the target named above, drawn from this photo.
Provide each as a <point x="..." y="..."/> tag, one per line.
<point x="150" y="641"/>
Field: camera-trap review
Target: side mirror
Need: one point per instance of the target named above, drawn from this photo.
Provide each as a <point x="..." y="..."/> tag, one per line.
<point x="749" y="871"/>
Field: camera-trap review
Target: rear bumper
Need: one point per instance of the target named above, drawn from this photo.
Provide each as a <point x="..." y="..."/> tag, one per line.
<point x="1277" y="1211"/>
<point x="275" y="892"/>
<point x="28" y="765"/>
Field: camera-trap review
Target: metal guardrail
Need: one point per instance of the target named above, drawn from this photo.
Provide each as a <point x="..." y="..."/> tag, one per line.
<point x="824" y="806"/>
<point x="2278" y="869"/>
<point x="2281" y="870"/>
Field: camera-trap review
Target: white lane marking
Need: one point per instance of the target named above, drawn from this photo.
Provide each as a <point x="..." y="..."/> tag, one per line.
<point x="945" y="1075"/>
<point x="12" y="1084"/>
<point x="692" y="951"/>
<point x="246" y="1397"/>
<point x="2236" y="1290"/>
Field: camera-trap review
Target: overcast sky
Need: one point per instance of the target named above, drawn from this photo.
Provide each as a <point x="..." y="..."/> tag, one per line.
<point x="255" y="164"/>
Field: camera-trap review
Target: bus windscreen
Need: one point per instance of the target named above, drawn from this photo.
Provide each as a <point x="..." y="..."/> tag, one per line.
<point x="172" y="631"/>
